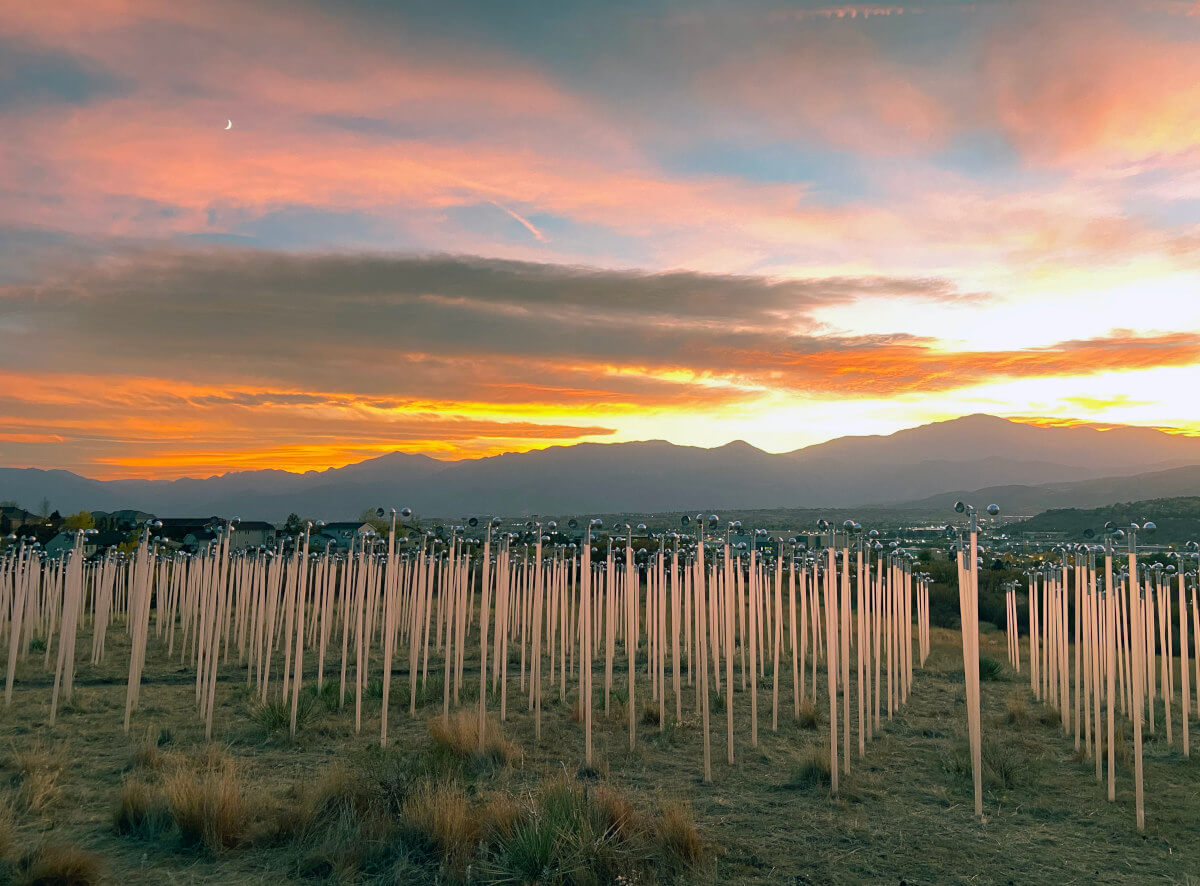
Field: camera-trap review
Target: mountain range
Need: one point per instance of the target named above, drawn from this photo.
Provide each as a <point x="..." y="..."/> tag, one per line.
<point x="1026" y="467"/>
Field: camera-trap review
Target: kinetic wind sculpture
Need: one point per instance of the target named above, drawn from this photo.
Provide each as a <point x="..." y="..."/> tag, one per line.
<point x="1121" y="625"/>
<point x="1103" y="640"/>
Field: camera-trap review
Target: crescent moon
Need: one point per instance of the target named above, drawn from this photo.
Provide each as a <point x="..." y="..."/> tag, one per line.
<point x="229" y="124"/>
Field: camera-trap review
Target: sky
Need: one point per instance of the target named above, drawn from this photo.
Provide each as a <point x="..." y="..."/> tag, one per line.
<point x="243" y="235"/>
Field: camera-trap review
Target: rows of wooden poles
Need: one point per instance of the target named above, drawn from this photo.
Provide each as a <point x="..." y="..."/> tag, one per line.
<point x="696" y="612"/>
<point x="1126" y="616"/>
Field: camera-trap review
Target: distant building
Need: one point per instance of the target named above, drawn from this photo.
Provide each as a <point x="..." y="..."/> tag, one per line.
<point x="92" y="544"/>
<point x="343" y="532"/>
<point x="192" y="533"/>
<point x="12" y="519"/>
<point x="120" y="521"/>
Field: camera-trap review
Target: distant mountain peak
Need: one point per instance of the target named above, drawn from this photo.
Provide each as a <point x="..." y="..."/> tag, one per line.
<point x="974" y="451"/>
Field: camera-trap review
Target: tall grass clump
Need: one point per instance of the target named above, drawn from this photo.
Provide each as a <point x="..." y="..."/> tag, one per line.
<point x="59" y="865"/>
<point x="812" y="772"/>
<point x="807" y="718"/>
<point x="142" y="811"/>
<point x="274" y="716"/>
<point x="207" y="803"/>
<point x="457" y="738"/>
<point x="35" y="773"/>
<point x="570" y="833"/>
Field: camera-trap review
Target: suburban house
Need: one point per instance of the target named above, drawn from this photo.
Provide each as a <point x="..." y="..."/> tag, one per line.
<point x="343" y="533"/>
<point x="92" y="544"/>
<point x="13" y="518"/>
<point x="192" y="533"/>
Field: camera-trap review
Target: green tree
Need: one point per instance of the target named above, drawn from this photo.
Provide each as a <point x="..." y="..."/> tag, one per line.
<point x="294" y="524"/>
<point x="381" y="525"/>
<point x="81" y="520"/>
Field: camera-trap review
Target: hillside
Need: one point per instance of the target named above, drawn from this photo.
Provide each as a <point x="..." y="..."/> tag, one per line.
<point x="1178" y="519"/>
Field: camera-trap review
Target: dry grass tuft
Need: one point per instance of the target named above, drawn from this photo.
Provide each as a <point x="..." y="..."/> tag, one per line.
<point x="616" y="812"/>
<point x="1016" y="711"/>
<point x="8" y="834"/>
<point x="575" y="834"/>
<point x="807" y="718"/>
<point x="1121" y="750"/>
<point x="813" y="771"/>
<point x="147" y="754"/>
<point x="441" y="820"/>
<point x="678" y="836"/>
<point x="143" y="810"/>
<point x="60" y="866"/>
<point x="498" y="818"/>
<point x="207" y="803"/>
<point x="459" y="738"/>
<point x="36" y="773"/>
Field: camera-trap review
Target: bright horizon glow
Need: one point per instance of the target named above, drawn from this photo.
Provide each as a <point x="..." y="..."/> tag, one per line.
<point x="491" y="230"/>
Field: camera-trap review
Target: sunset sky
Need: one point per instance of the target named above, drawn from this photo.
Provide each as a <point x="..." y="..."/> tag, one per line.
<point x="465" y="228"/>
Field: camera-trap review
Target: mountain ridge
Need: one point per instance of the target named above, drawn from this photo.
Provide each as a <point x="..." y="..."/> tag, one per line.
<point x="976" y="453"/>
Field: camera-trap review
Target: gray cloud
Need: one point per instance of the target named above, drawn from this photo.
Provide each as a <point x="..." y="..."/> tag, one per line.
<point x="383" y="323"/>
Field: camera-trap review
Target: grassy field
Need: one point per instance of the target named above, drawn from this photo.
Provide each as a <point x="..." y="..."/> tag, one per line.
<point x="332" y="806"/>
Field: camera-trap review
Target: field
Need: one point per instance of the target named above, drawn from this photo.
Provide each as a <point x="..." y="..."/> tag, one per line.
<point x="903" y="815"/>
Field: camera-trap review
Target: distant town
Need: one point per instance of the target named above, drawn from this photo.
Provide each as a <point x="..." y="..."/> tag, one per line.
<point x="120" y="530"/>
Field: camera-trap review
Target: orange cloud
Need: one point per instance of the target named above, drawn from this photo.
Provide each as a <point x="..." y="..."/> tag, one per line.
<point x="883" y="368"/>
<point x="1093" y="89"/>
